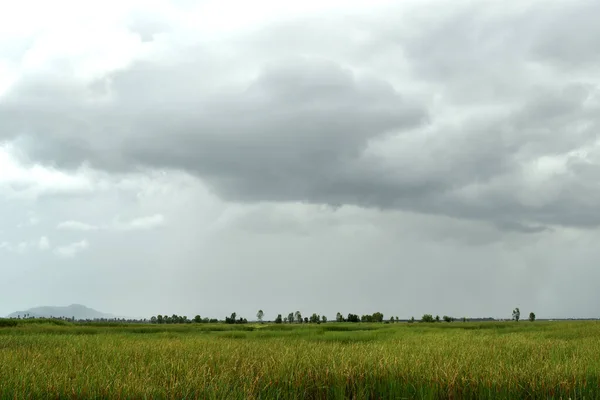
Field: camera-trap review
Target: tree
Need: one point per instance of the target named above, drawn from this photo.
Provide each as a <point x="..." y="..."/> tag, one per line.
<point x="339" y="317"/>
<point x="516" y="315"/>
<point x="427" y="318"/>
<point x="353" y="318"/>
<point x="298" y="317"/>
<point x="314" y="318"/>
<point x="153" y="320"/>
<point x="447" y="318"/>
<point x="323" y="318"/>
<point x="377" y="317"/>
<point x="278" y="320"/>
<point x="411" y="320"/>
<point x="290" y="317"/>
<point x="531" y="316"/>
<point x="198" y="319"/>
<point x="260" y="314"/>
<point x="437" y="318"/>
<point x="159" y="319"/>
<point x="306" y="320"/>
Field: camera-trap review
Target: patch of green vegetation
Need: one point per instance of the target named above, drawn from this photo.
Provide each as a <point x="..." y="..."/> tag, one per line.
<point x="310" y="361"/>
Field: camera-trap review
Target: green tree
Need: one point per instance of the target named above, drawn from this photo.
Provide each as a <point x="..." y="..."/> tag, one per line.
<point x="260" y="314"/>
<point x="290" y="317"/>
<point x="339" y="317"/>
<point x="314" y="318"/>
<point x="323" y="318"/>
<point x="353" y="318"/>
<point x="437" y="318"/>
<point x="377" y="317"/>
<point x="198" y="319"/>
<point x="298" y="317"/>
<point x="531" y="316"/>
<point x="427" y="318"/>
<point x="278" y="320"/>
<point x="516" y="315"/>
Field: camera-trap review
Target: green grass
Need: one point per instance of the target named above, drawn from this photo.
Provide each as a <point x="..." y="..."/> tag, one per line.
<point x="338" y="361"/>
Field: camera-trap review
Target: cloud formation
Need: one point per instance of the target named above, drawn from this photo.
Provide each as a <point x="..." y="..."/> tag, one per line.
<point x="72" y="249"/>
<point x="142" y="223"/>
<point x="479" y="122"/>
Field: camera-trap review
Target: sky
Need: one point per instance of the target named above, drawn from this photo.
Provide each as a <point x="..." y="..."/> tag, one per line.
<point x="209" y="157"/>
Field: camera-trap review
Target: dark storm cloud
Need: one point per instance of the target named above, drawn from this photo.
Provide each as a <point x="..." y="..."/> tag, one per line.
<point x="488" y="93"/>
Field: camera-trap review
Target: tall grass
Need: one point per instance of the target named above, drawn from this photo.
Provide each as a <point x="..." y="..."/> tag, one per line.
<point x="456" y="360"/>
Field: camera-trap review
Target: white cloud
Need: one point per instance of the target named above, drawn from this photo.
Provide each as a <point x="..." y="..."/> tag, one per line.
<point x="76" y="226"/>
<point x="44" y="243"/>
<point x="19" y="181"/>
<point x="143" y="223"/>
<point x="71" y="250"/>
<point x="137" y="224"/>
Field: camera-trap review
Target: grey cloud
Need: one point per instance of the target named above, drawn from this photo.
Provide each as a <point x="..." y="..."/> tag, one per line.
<point x="484" y="100"/>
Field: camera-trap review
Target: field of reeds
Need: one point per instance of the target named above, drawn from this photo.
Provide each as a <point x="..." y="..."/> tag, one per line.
<point x="332" y="360"/>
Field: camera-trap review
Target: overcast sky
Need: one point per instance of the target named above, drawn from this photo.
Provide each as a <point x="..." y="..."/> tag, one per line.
<point x="206" y="157"/>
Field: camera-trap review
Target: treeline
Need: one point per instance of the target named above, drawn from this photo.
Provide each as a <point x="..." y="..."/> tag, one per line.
<point x="181" y="319"/>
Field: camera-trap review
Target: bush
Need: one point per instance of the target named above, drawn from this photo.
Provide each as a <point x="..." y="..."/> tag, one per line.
<point x="7" y="323"/>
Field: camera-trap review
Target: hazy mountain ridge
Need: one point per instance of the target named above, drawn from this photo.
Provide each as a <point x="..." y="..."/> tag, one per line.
<point x="76" y="311"/>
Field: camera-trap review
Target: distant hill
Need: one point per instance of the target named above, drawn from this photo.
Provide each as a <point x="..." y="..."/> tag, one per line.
<point x="74" y="310"/>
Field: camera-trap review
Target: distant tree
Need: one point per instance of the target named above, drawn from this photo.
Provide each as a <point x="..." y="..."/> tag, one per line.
<point x="314" y="318"/>
<point x="447" y="318"/>
<point x="306" y="320"/>
<point x="290" y="317"/>
<point x="323" y="318"/>
<point x="353" y="318"/>
<point x="339" y="317"/>
<point x="198" y="319"/>
<point x="153" y="320"/>
<point x="298" y="317"/>
<point x="437" y="318"/>
<point x="285" y="320"/>
<point x="531" y="316"/>
<point x="516" y="314"/>
<point x="377" y="317"/>
<point x="411" y="320"/>
<point x="233" y="315"/>
<point x="260" y="314"/>
<point x="427" y="318"/>
<point x="278" y="320"/>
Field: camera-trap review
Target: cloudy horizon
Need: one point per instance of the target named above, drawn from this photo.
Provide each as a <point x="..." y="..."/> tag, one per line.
<point x="355" y="156"/>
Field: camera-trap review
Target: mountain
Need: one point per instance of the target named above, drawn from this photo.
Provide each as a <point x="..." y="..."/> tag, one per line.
<point x="74" y="310"/>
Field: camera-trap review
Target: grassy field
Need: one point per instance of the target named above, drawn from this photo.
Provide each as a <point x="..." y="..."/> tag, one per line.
<point x="362" y="361"/>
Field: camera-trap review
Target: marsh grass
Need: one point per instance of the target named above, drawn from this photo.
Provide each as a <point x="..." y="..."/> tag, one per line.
<point x="434" y="361"/>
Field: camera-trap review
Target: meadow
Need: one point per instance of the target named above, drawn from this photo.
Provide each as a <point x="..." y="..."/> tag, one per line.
<point x="300" y="361"/>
